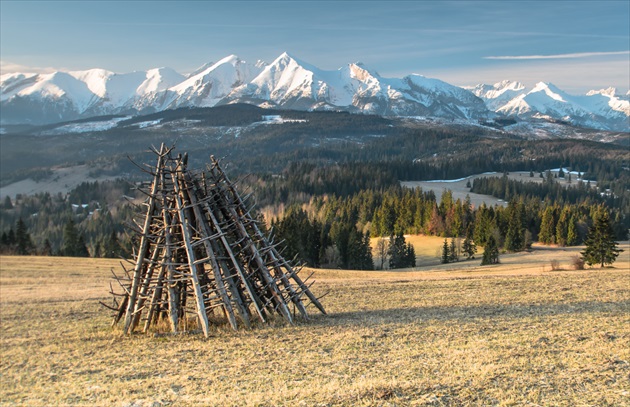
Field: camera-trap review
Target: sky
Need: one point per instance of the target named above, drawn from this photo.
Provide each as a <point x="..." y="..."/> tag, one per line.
<point x="576" y="45"/>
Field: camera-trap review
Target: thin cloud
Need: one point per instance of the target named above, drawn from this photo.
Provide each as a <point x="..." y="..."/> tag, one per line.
<point x="7" y="67"/>
<point x="558" y="56"/>
<point x="572" y="76"/>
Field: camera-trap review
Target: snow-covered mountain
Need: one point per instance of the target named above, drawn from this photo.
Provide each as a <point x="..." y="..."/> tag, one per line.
<point x="599" y="109"/>
<point x="290" y="83"/>
<point x="209" y="86"/>
<point x="498" y="94"/>
<point x="287" y="83"/>
<point x="61" y="96"/>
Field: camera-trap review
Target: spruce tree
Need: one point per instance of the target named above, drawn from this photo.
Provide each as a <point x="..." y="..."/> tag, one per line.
<point x="547" y="233"/>
<point x="7" y="203"/>
<point x="410" y="255"/>
<point x="562" y="227"/>
<point x="47" y="249"/>
<point x="490" y="252"/>
<point x="601" y="247"/>
<point x="452" y="255"/>
<point x="81" y="248"/>
<point x="401" y="254"/>
<point x="70" y="240"/>
<point x="11" y="237"/>
<point x="111" y="246"/>
<point x="572" y="233"/>
<point x="468" y="246"/>
<point x="515" y="237"/>
<point x="22" y="238"/>
<point x="445" y="252"/>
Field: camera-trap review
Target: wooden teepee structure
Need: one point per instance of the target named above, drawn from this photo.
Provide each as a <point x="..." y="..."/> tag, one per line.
<point x="200" y="252"/>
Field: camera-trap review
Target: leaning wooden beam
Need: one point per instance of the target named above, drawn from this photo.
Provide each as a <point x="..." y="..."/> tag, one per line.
<point x="275" y="255"/>
<point x="240" y="204"/>
<point x="168" y="257"/>
<point x="262" y="269"/>
<point x="226" y="245"/>
<point x="142" y="294"/>
<point x="293" y="295"/>
<point x="185" y="226"/>
<point x="218" y="278"/>
<point x="144" y="243"/>
<point x="300" y="283"/>
<point x="155" y="299"/>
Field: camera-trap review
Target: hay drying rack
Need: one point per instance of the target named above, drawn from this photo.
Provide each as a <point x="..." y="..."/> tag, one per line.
<point x="201" y="252"/>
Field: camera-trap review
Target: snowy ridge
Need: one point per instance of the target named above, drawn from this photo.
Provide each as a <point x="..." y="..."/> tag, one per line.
<point x="287" y="83"/>
<point x="599" y="109"/>
<point x="291" y="83"/>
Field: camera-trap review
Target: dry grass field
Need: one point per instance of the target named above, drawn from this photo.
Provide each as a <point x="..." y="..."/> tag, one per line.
<point x="514" y="334"/>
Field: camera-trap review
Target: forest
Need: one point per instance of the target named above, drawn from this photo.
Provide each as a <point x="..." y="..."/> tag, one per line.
<point x="325" y="229"/>
<point x="330" y="183"/>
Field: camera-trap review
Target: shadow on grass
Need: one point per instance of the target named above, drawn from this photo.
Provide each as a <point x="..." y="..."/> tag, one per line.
<point x="467" y="313"/>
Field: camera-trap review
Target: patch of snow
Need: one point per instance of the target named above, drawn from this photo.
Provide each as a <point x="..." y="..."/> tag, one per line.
<point x="276" y="119"/>
<point x="447" y="180"/>
<point x="149" y="123"/>
<point x="85" y="127"/>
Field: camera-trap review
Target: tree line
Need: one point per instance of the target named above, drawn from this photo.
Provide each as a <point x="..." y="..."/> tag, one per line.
<point x="88" y="221"/>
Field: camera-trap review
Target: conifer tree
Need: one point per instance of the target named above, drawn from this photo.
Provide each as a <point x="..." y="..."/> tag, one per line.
<point x="401" y="254"/>
<point x="47" y="248"/>
<point x="445" y="252"/>
<point x="24" y="244"/>
<point x="7" y="203"/>
<point x="490" y="252"/>
<point x="547" y="233"/>
<point x="11" y="237"/>
<point x="515" y="236"/>
<point x="468" y="246"/>
<point x="410" y="255"/>
<point x="359" y="252"/>
<point x="572" y="233"/>
<point x="81" y="248"/>
<point x="111" y="247"/>
<point x="70" y="246"/>
<point x="452" y="251"/>
<point x="601" y="247"/>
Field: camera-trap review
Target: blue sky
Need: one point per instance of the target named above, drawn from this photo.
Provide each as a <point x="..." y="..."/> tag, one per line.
<point x="577" y="45"/>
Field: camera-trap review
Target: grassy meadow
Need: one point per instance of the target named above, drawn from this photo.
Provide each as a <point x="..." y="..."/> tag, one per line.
<point x="513" y="334"/>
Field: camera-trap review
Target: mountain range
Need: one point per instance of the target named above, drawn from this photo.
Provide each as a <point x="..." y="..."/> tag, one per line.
<point x="289" y="83"/>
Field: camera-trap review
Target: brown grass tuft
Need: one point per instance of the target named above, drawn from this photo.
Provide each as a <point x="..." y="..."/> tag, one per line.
<point x="577" y="262"/>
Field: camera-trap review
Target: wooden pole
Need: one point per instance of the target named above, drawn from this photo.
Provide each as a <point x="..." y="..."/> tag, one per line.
<point x="222" y="236"/>
<point x="262" y="268"/>
<point x="211" y="256"/>
<point x="144" y="243"/>
<point x="185" y="226"/>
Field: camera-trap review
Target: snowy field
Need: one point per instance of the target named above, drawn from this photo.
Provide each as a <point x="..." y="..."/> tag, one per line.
<point x="460" y="190"/>
<point x="62" y="180"/>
